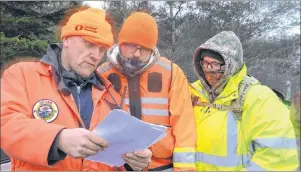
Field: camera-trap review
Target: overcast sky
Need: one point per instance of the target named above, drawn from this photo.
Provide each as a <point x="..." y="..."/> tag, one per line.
<point x="94" y="4"/>
<point x="99" y="4"/>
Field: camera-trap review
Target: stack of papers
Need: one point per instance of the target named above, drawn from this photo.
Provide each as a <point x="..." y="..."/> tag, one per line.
<point x="125" y="133"/>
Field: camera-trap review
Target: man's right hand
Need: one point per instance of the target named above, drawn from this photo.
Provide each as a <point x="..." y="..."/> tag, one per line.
<point x="80" y="143"/>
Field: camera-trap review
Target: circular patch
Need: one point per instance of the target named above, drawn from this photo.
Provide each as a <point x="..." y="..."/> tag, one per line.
<point x="46" y="110"/>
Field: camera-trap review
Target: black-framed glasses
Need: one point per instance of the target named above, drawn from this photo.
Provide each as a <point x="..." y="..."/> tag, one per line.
<point x="132" y="48"/>
<point x="213" y="65"/>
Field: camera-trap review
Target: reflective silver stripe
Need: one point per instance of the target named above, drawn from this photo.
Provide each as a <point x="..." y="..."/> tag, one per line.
<point x="277" y="143"/>
<point x="224" y="161"/>
<point x="155" y="112"/>
<point x="164" y="65"/>
<point x="232" y="159"/>
<point x="184" y="157"/>
<point x="105" y="68"/>
<point x="255" y="167"/>
<point x="199" y="90"/>
<point x="150" y="100"/>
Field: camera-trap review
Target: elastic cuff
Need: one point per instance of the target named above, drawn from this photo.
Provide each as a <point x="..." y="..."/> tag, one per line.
<point x="55" y="154"/>
<point x="128" y="167"/>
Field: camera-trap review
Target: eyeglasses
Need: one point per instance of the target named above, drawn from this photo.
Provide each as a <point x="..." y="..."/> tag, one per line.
<point x="132" y="48"/>
<point x="213" y="65"/>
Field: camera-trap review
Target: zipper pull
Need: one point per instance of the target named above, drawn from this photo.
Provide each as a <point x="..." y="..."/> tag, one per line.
<point x="207" y="109"/>
<point x="78" y="89"/>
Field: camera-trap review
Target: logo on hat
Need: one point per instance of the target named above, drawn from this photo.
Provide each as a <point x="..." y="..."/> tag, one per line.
<point x="46" y="110"/>
<point x="87" y="28"/>
<point x="79" y="27"/>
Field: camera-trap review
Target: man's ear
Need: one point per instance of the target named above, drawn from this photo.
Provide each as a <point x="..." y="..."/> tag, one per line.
<point x="66" y="42"/>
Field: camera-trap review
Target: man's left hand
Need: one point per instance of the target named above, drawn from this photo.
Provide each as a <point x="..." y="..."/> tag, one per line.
<point x="138" y="160"/>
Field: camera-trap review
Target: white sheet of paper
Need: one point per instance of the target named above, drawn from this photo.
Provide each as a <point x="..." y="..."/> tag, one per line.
<point x="125" y="133"/>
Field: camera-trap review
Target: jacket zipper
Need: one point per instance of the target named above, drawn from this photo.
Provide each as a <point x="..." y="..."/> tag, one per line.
<point x="78" y="88"/>
<point x="134" y="96"/>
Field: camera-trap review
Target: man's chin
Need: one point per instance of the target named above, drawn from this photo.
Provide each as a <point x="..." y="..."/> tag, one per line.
<point x="85" y="75"/>
<point x="211" y="83"/>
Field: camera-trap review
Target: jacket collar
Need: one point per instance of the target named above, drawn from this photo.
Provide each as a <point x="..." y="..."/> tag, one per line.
<point x="49" y="66"/>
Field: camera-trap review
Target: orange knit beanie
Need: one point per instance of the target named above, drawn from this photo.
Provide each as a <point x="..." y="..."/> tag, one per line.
<point x="91" y="25"/>
<point x="141" y="29"/>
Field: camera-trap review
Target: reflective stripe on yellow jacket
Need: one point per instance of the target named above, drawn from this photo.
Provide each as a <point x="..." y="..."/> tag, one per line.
<point x="262" y="140"/>
<point x="167" y="103"/>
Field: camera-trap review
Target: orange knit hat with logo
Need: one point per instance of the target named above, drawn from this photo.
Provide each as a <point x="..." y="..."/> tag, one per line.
<point x="141" y="29"/>
<point x="91" y="25"/>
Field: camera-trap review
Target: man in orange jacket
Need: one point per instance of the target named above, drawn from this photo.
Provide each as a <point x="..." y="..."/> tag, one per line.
<point x="49" y="107"/>
<point x="155" y="89"/>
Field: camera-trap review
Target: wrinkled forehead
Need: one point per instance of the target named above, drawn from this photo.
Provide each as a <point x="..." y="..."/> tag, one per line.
<point x="82" y="41"/>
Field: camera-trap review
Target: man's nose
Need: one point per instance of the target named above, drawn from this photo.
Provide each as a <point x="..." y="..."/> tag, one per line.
<point x="95" y="53"/>
<point x="137" y="53"/>
<point x="209" y="66"/>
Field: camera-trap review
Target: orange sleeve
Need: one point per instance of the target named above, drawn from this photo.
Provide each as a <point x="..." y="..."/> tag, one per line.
<point x="182" y="121"/>
<point x="22" y="137"/>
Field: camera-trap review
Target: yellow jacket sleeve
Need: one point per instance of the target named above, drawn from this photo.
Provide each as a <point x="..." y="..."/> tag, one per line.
<point x="271" y="137"/>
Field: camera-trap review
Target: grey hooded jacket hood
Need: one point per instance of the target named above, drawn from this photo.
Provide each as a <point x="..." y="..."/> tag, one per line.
<point x="228" y="45"/>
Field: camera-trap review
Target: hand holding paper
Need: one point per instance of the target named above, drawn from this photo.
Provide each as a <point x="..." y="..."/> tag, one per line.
<point x="125" y="134"/>
<point x="80" y="142"/>
<point x="138" y="160"/>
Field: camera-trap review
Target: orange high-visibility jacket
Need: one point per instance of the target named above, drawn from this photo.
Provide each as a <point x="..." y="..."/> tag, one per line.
<point x="159" y="94"/>
<point x="28" y="87"/>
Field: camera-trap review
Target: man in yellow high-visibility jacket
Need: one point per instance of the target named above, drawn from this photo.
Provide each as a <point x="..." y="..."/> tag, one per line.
<point x="241" y="125"/>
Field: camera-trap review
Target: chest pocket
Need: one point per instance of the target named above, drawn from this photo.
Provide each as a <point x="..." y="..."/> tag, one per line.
<point x="154" y="82"/>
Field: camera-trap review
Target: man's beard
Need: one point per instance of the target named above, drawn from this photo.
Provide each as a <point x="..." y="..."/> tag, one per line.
<point x="132" y="65"/>
<point x="212" y="78"/>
